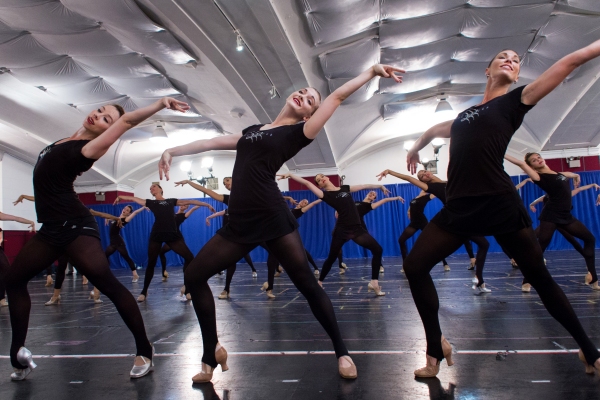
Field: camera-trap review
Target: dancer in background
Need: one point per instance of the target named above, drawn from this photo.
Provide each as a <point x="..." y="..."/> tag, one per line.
<point x="164" y="230"/>
<point x="116" y="240"/>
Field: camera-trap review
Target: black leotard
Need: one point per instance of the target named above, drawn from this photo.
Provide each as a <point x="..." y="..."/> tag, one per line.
<point x="438" y="189"/>
<point x="557" y="208"/>
<point x="259" y="213"/>
<point x="297" y="212"/>
<point x="179" y="219"/>
<point x="348" y="223"/>
<point x="363" y="209"/>
<point x="418" y="220"/>
<point x="114" y="232"/>
<point x="165" y="228"/>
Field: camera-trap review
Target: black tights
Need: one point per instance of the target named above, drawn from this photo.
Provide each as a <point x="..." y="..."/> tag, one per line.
<point x="61" y="270"/>
<point x="231" y="271"/>
<point x="273" y="266"/>
<point x="576" y="229"/>
<point x="219" y="253"/>
<point x="482" y="248"/>
<point x="409" y="232"/>
<point x="122" y="251"/>
<point x="364" y="240"/>
<point x="86" y="252"/>
<point x="435" y="243"/>
<point x="4" y="267"/>
<point x="154" y="248"/>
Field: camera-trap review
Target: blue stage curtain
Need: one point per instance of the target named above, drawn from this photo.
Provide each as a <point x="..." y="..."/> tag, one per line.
<point x="386" y="223"/>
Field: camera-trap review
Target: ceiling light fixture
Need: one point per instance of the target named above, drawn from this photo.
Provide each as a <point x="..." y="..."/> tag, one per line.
<point x="409" y="144"/>
<point x="239" y="42"/>
<point x="185" y="166"/>
<point x="207" y="162"/>
<point x="159" y="134"/>
<point x="443" y="104"/>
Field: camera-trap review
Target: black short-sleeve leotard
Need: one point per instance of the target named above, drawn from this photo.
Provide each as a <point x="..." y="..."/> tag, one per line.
<point x="481" y="197"/>
<point x="348" y="224"/>
<point x="114" y="232"/>
<point x="363" y="209"/>
<point x="226" y="215"/>
<point x="179" y="219"/>
<point x="165" y="228"/>
<point x="418" y="220"/>
<point x="438" y="189"/>
<point x="557" y="207"/>
<point x="297" y="212"/>
<point x="63" y="215"/>
<point x="257" y="212"/>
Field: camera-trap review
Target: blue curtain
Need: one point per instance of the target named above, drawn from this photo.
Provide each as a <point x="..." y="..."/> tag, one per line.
<point x="386" y="223"/>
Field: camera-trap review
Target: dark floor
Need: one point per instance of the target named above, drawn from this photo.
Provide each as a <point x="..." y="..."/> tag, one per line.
<point x="278" y="351"/>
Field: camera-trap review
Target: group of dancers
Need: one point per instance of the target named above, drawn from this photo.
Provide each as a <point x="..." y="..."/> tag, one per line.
<point x="479" y="200"/>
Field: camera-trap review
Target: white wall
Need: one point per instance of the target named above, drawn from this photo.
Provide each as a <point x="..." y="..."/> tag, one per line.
<point x="16" y="179"/>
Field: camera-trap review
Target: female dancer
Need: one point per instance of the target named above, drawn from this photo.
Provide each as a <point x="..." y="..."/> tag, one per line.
<point x="4" y="264"/>
<point x="349" y="225"/>
<point x="557" y="212"/>
<point x="180" y="217"/>
<point x="482" y="199"/>
<point x="256" y="201"/>
<point x="164" y="230"/>
<point x="69" y="228"/>
<point x="435" y="186"/>
<point x="116" y="240"/>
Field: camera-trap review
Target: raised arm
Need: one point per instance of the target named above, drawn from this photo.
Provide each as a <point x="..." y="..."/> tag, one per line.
<point x="318" y="192"/>
<point x="134" y="199"/>
<point x="421" y="185"/>
<point x="215" y="215"/>
<point x="104" y="215"/>
<point x="317" y="121"/>
<point x="291" y="200"/>
<point x="523" y="183"/>
<point x="311" y="205"/>
<point x="133" y="214"/>
<point x="383" y="201"/>
<point x="23" y="197"/>
<point x="227" y="142"/>
<point x="210" y="193"/>
<point x="198" y="203"/>
<point x="191" y="211"/>
<point x="536" y="201"/>
<point x="100" y="145"/>
<point x="8" y="217"/>
<point x="356" y="188"/>
<point x="576" y="178"/>
<point x="582" y="188"/>
<point x="558" y="72"/>
<point x="523" y="165"/>
<point x="441" y="130"/>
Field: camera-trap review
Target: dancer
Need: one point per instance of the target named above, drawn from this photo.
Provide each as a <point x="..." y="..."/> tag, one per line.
<point x="4" y="264"/>
<point x="433" y="185"/>
<point x="557" y="211"/>
<point x="116" y="240"/>
<point x="180" y="217"/>
<point x="482" y="199"/>
<point x="164" y="230"/>
<point x="69" y="228"/>
<point x="256" y="201"/>
<point x="348" y="226"/>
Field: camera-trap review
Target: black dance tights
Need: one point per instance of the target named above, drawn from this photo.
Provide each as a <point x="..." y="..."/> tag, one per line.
<point x="122" y="251"/>
<point x="4" y="267"/>
<point x="85" y="252"/>
<point x="365" y="240"/>
<point x="230" y="272"/>
<point x="435" y="243"/>
<point x="248" y="260"/>
<point x="219" y="253"/>
<point x="482" y="248"/>
<point x="409" y="232"/>
<point x="154" y="248"/>
<point x="61" y="270"/>
<point x="578" y="230"/>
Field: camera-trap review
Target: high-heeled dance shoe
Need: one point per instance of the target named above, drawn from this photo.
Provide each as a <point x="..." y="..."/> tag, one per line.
<point x="431" y="370"/>
<point x="320" y="283"/>
<point x="264" y="286"/>
<point x="349" y="371"/>
<point x="471" y="266"/>
<point x="342" y="271"/>
<point x="188" y="297"/>
<point x="142" y="370"/>
<point x="270" y="294"/>
<point x="224" y="295"/>
<point x="95" y="295"/>
<point x="24" y="357"/>
<point x="526" y="288"/>
<point x="381" y="269"/>
<point x="317" y="273"/>
<point x="479" y="288"/>
<point x="446" y="268"/>
<point x="589" y="369"/>
<point x="85" y="280"/>
<point x="49" y="281"/>
<point x="165" y="276"/>
<point x="206" y="373"/>
<point x="588" y="278"/>
<point x="182" y="290"/>
<point x="376" y="289"/>
<point x="53" y="301"/>
<point x="344" y="265"/>
<point x="514" y="263"/>
<point x="141" y="298"/>
<point x="135" y="277"/>
<point x="254" y="274"/>
<point x="595" y="286"/>
<point x="3" y="303"/>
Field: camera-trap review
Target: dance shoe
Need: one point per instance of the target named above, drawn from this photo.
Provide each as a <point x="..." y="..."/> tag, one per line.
<point x="53" y="301"/>
<point x="3" y="303"/>
<point x="381" y="269"/>
<point x="85" y="280"/>
<point x="595" y="286"/>
<point x="95" y="295"/>
<point x="206" y="373"/>
<point x="24" y="357"/>
<point x="342" y="271"/>
<point x="224" y="295"/>
<point x="182" y="290"/>
<point x="165" y="276"/>
<point x="446" y="268"/>
<point x="526" y="288"/>
<point x="431" y="370"/>
<point x="471" y="267"/>
<point x="142" y="370"/>
<point x="317" y="273"/>
<point x="254" y="274"/>
<point x="376" y="289"/>
<point x="588" y="278"/>
<point x="270" y="294"/>
<point x="347" y="371"/>
<point x="344" y="265"/>
<point x="49" y="281"/>
<point x="141" y="298"/>
<point x="479" y="289"/>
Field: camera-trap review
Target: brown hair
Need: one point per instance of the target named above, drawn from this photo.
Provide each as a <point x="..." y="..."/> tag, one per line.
<point x="227" y="177"/>
<point x="120" y="109"/>
<point x="528" y="155"/>
<point x="130" y="208"/>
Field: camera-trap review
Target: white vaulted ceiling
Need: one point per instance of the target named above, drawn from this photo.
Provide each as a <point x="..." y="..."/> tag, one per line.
<point x="61" y="59"/>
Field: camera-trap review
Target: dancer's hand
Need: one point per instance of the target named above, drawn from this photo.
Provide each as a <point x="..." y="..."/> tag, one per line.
<point x="211" y="209"/>
<point x="207" y="222"/>
<point x="382" y="175"/>
<point x="164" y="165"/>
<point x="117" y="200"/>
<point x="387" y="71"/>
<point x="400" y="199"/>
<point x="595" y="186"/>
<point x="576" y="181"/>
<point x="19" y="200"/>
<point x="175" y="105"/>
<point x="598" y="200"/>
<point x="119" y="223"/>
<point x="385" y="191"/>
<point x="106" y="221"/>
<point x="182" y="183"/>
<point x="287" y="175"/>
<point x="412" y="159"/>
<point x="31" y="226"/>
<point x="533" y="209"/>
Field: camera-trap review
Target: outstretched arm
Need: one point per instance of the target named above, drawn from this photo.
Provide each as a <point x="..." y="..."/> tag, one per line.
<point x="100" y="145"/>
<point x="356" y="188"/>
<point x="441" y="130"/>
<point x="291" y="200"/>
<point x="215" y="215"/>
<point x="582" y="188"/>
<point x="383" y="201"/>
<point x="408" y="178"/>
<point x="558" y="72"/>
<point x="311" y="205"/>
<point x="8" y="217"/>
<point x="134" y="199"/>
<point x="523" y="183"/>
<point x="318" y="192"/>
<point x="314" y="125"/>
<point x="536" y="201"/>
<point x="210" y="193"/>
<point x="23" y="197"/>
<point x="227" y="142"/>
<point x="133" y="214"/>
<point x="523" y="165"/>
<point x="191" y="211"/>
<point x="195" y="202"/>
<point x="576" y="178"/>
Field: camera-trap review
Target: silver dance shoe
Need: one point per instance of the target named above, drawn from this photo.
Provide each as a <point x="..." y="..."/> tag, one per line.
<point x="142" y="370"/>
<point x="23" y="357"/>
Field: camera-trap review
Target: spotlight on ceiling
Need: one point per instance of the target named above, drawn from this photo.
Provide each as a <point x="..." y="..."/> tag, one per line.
<point x="437" y="144"/>
<point x="409" y="144"/>
<point x="424" y="160"/>
<point x="185" y="166"/>
<point x="159" y="134"/>
<point x="239" y="43"/>
<point x="207" y="162"/>
<point x="273" y="92"/>
<point x="443" y="104"/>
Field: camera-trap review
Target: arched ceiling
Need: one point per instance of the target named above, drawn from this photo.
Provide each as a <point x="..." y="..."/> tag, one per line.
<point x="61" y="59"/>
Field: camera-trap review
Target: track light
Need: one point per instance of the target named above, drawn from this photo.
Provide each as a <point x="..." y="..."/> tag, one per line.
<point x="239" y="43"/>
<point x="185" y="166"/>
<point x="437" y="144"/>
<point x="207" y="162"/>
<point x="159" y="134"/>
<point x="273" y="92"/>
<point x="443" y="104"/>
<point x="409" y="144"/>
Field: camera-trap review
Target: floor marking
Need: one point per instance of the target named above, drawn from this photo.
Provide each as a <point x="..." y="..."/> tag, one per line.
<point x="298" y="380"/>
<point x="338" y="292"/>
<point x="540" y="381"/>
<point x="290" y="302"/>
<point x="76" y="382"/>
